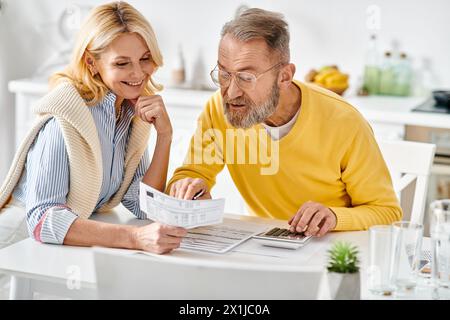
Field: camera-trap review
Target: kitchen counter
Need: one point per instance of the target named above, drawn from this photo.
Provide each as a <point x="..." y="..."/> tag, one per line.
<point x="179" y="96"/>
<point x="398" y="110"/>
<point x="376" y="109"/>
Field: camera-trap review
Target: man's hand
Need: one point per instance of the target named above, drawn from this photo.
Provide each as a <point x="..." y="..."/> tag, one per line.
<point x="187" y="188"/>
<point x="157" y="238"/>
<point x="314" y="219"/>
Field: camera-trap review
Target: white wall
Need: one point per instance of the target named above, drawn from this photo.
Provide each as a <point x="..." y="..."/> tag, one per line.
<point x="322" y="32"/>
<point x="22" y="50"/>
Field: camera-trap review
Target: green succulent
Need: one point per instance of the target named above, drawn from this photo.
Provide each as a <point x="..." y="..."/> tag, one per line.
<point x="343" y="258"/>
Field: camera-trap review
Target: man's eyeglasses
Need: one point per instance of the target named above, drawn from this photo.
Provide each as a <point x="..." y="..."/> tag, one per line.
<point x="244" y="80"/>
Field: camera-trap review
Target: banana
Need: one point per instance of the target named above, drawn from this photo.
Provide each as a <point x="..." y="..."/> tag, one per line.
<point x="323" y="75"/>
<point x="338" y="79"/>
<point x="329" y="77"/>
<point x="329" y="68"/>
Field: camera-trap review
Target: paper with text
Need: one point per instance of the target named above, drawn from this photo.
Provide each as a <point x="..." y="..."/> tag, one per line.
<point x="177" y="212"/>
<point x="222" y="237"/>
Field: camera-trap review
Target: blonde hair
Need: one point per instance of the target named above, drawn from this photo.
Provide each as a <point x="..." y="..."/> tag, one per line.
<point x="104" y="24"/>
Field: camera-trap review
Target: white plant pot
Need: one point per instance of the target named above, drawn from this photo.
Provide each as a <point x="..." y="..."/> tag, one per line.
<point x="344" y="286"/>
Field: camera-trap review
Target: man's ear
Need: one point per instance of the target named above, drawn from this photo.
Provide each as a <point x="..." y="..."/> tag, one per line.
<point x="90" y="62"/>
<point x="287" y="73"/>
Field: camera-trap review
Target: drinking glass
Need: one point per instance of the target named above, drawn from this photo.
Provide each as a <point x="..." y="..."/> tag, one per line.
<point x="405" y="255"/>
<point x="440" y="239"/>
<point x="380" y="244"/>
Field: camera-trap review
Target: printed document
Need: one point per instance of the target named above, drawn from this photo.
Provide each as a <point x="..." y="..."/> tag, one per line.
<point x="221" y="238"/>
<point x="177" y="212"/>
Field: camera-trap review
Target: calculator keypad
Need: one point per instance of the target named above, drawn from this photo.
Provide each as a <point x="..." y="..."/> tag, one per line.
<point x="280" y="233"/>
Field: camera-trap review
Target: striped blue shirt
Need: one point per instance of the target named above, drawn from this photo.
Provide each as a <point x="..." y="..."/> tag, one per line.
<point x="45" y="183"/>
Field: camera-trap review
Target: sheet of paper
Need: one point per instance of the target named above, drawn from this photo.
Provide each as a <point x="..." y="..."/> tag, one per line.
<point x="176" y="212"/>
<point x="221" y="238"/>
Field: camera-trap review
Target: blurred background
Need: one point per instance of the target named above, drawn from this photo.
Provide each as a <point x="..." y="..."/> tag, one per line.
<point x="356" y="36"/>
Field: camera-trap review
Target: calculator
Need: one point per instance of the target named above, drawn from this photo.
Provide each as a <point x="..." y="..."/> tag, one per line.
<point x="282" y="238"/>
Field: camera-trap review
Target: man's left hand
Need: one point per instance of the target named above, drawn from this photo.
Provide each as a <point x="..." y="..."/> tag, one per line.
<point x="314" y="219"/>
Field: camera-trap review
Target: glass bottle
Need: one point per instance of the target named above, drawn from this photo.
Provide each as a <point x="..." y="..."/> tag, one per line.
<point x="371" y="68"/>
<point x="403" y="74"/>
<point x="425" y="80"/>
<point x="179" y="73"/>
<point x="387" y="74"/>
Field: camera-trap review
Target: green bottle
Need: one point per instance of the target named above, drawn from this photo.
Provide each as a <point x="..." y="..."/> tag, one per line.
<point x="403" y="73"/>
<point x="371" y="68"/>
<point x="388" y="75"/>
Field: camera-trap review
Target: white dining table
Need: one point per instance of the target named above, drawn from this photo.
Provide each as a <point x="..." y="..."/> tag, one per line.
<point x="69" y="271"/>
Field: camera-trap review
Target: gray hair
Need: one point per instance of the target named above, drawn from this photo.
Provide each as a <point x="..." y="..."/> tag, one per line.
<point x="257" y="23"/>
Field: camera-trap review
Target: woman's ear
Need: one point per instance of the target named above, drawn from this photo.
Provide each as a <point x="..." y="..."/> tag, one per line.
<point x="287" y="75"/>
<point x="90" y="62"/>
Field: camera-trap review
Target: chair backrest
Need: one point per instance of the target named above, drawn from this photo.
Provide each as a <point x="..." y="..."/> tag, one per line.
<point x="410" y="162"/>
<point x="138" y="276"/>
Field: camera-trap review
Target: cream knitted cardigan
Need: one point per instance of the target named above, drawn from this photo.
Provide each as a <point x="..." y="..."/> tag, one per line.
<point x="83" y="148"/>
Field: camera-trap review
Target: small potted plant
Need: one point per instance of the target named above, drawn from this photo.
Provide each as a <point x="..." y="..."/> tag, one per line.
<point x="343" y="271"/>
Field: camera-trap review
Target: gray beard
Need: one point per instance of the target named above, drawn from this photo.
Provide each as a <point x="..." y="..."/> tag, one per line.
<point x="253" y="114"/>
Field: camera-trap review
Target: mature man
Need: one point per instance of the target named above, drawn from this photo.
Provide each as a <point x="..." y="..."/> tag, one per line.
<point x="295" y="151"/>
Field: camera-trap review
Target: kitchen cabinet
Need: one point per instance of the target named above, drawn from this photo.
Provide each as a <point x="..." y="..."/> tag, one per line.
<point x="393" y="118"/>
<point x="389" y="115"/>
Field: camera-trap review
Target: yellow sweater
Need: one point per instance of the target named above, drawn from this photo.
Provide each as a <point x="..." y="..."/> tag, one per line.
<point x="330" y="156"/>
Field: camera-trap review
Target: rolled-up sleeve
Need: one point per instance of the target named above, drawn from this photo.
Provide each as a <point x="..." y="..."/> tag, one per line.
<point x="131" y="197"/>
<point x="47" y="186"/>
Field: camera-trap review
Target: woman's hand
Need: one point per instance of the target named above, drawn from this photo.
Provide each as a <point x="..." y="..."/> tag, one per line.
<point x="151" y="109"/>
<point x="157" y="238"/>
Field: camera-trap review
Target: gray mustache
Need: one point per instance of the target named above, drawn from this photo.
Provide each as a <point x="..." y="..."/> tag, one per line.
<point x="241" y="101"/>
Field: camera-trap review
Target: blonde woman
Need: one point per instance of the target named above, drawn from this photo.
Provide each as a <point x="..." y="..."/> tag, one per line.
<point x="87" y="151"/>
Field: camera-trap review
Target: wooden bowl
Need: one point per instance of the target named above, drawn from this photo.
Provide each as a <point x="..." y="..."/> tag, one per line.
<point x="339" y="91"/>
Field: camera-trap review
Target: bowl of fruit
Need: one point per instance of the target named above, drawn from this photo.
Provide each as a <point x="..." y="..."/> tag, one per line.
<point x="329" y="77"/>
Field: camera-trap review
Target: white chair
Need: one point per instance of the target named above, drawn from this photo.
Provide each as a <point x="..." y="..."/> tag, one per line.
<point x="139" y="276"/>
<point x="410" y="162"/>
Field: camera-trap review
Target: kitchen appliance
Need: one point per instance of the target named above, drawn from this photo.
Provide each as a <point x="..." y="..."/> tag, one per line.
<point x="440" y="137"/>
<point x="439" y="102"/>
<point x="439" y="182"/>
<point x="442" y="98"/>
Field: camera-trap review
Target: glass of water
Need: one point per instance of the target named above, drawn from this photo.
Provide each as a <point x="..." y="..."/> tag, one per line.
<point x="405" y="256"/>
<point x="440" y="238"/>
<point x="378" y="280"/>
